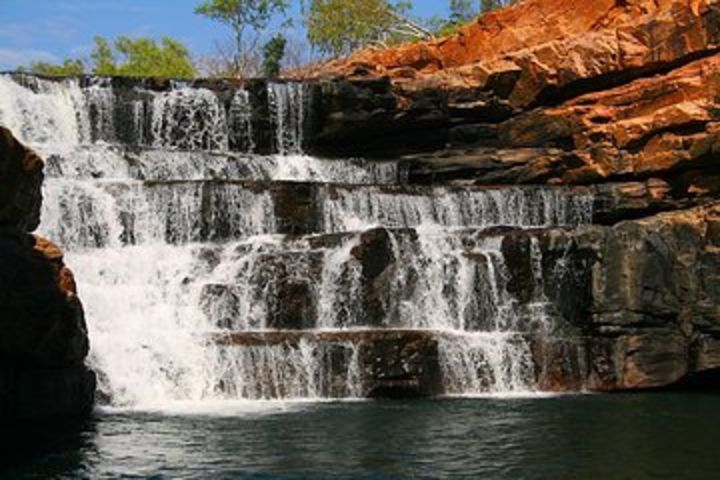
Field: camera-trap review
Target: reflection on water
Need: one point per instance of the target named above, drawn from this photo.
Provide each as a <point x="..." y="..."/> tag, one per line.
<point x="587" y="437"/>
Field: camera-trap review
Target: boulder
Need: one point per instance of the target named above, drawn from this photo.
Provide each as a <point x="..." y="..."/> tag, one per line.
<point x="43" y="337"/>
<point x="21" y="176"/>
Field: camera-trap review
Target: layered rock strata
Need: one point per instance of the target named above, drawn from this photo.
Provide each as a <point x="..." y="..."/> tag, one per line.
<point x="619" y="97"/>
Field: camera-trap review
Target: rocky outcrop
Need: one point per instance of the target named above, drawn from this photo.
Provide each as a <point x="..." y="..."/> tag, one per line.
<point x="654" y="314"/>
<point x="43" y="338"/>
<point x="397" y="363"/>
<point x="645" y="303"/>
<point x="544" y="50"/>
<point x="21" y="171"/>
<point x="604" y="90"/>
<point x="619" y="97"/>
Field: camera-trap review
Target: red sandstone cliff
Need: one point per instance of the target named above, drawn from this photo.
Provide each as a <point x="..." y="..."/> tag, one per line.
<point x="621" y="96"/>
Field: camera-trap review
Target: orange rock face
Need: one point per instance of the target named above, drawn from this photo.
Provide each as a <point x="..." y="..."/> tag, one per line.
<point x="649" y="126"/>
<point x="544" y="45"/>
<point x="557" y="92"/>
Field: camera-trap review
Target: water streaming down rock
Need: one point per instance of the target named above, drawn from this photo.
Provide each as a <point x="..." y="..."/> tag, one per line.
<point x="193" y="292"/>
<point x="288" y="106"/>
<point x="189" y="119"/>
<point x="41" y="111"/>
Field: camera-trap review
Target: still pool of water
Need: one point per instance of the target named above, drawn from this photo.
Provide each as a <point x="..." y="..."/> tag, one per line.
<point x="654" y="436"/>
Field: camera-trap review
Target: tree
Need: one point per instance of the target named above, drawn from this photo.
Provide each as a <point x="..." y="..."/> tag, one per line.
<point x="244" y="17"/>
<point x="141" y="57"/>
<point x="337" y="27"/>
<point x="463" y="11"/>
<point x="69" y="67"/>
<point x="103" y="58"/>
<point x="273" y="52"/>
<point x="488" y="5"/>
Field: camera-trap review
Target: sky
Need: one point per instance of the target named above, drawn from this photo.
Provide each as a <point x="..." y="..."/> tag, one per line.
<point x="51" y="30"/>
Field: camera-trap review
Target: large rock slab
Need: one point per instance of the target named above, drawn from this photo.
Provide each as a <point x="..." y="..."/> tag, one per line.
<point x="542" y="49"/>
<point x="43" y="337"/>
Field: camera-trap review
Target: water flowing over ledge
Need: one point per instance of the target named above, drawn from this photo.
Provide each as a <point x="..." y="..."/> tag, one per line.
<point x="211" y="273"/>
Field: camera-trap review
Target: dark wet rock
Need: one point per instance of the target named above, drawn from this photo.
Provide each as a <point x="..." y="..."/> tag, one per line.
<point x="397" y="363"/>
<point x="21" y="176"/>
<point x="43" y="338"/>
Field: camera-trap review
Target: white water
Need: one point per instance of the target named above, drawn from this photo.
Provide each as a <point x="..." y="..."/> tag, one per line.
<point x="189" y="119"/>
<point x="168" y="251"/>
<point x="288" y="109"/>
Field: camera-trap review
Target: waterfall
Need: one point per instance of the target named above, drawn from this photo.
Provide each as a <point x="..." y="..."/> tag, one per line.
<point x="352" y="209"/>
<point x="288" y="107"/>
<point x="42" y="111"/>
<point x="192" y="291"/>
<point x="189" y="119"/>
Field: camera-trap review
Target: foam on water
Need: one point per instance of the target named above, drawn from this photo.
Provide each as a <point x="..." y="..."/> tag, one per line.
<point x="171" y="250"/>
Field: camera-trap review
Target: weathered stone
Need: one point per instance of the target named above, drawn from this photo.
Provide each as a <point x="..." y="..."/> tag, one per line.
<point x="396" y="363"/>
<point x="21" y="176"/>
<point x="598" y="43"/>
<point x="43" y="338"/>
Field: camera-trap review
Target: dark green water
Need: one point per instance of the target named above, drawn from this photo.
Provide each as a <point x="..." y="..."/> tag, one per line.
<point x="658" y="436"/>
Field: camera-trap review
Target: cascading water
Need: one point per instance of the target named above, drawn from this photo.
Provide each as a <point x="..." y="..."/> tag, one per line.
<point x="191" y="292"/>
<point x="288" y="106"/>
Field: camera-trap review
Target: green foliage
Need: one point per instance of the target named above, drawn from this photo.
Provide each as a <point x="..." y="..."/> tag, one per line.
<point x="103" y="58"/>
<point x="70" y="67"/>
<point x="462" y="12"/>
<point x="489" y="5"/>
<point x="141" y="57"/>
<point x="273" y="52"/>
<point x="242" y="16"/>
<point x="338" y="27"/>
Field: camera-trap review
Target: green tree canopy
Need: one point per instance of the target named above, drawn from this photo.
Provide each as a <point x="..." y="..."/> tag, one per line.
<point x="338" y="27"/>
<point x="463" y="11"/>
<point x="69" y="67"/>
<point x="273" y="52"/>
<point x="246" y="19"/>
<point x="141" y="57"/>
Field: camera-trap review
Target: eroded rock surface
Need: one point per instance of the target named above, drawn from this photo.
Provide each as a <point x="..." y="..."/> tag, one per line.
<point x="620" y="98"/>
<point x="43" y="338"/>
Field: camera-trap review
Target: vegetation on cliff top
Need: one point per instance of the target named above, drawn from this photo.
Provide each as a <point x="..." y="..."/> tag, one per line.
<point x="140" y="57"/>
<point x="258" y="44"/>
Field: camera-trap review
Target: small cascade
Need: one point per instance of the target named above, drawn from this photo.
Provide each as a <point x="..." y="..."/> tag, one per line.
<point x="189" y="119"/>
<point x="42" y="111"/>
<point x="209" y="272"/>
<point x="288" y="107"/>
<point x="98" y="214"/>
<point x="100" y="110"/>
<point x="352" y="209"/>
<point x="240" y="121"/>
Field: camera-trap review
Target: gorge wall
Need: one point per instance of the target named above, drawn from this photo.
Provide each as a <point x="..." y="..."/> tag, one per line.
<point x="620" y="97"/>
<point x="43" y="339"/>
